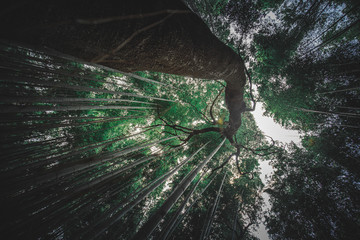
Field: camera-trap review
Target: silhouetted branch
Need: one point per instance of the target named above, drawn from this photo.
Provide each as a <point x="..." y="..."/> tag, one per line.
<point x="255" y="151"/>
<point x="212" y="105"/>
<point x="223" y="85"/>
<point x="204" y="130"/>
<point x="222" y="165"/>
<point x="272" y="144"/>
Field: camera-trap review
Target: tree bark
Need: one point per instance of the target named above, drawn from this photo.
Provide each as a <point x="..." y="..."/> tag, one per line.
<point x="175" y="42"/>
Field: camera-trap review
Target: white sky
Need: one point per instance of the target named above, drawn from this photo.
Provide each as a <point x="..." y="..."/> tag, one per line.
<point x="277" y="132"/>
<point x="272" y="129"/>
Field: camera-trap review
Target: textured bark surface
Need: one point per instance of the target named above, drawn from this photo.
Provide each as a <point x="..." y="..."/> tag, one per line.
<point x="180" y="44"/>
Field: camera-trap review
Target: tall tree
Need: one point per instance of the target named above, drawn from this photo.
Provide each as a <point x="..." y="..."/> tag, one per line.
<point x="93" y="149"/>
<point x="126" y="40"/>
<point x="312" y="197"/>
<point x="94" y="140"/>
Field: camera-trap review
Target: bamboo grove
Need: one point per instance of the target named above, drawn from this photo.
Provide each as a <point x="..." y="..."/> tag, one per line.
<point x="93" y="152"/>
<point x="87" y="154"/>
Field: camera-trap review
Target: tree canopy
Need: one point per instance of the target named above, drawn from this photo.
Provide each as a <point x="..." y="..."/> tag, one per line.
<point x="132" y="119"/>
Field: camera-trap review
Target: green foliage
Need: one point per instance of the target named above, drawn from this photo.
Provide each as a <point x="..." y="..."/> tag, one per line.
<point x="93" y="163"/>
<point x="313" y="197"/>
<point x="70" y="173"/>
<point x="305" y="66"/>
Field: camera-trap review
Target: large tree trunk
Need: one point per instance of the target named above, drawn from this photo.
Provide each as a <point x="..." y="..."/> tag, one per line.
<point x="177" y="43"/>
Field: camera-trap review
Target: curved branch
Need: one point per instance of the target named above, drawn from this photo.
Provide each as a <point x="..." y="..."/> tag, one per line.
<point x="212" y="105"/>
<point x="272" y="144"/>
<point x="175" y="126"/>
<point x="255" y="151"/>
<point x="220" y="83"/>
<point x="204" y="130"/>
<point x="223" y="164"/>
<point x="240" y="172"/>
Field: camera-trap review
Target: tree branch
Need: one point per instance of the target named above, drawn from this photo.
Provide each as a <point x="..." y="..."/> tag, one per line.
<point x="127" y="17"/>
<point x="255" y="151"/>
<point x="222" y="165"/>
<point x="204" y="130"/>
<point x="212" y="105"/>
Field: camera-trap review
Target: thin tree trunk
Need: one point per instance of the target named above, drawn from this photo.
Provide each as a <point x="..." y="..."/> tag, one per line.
<point x="38" y="108"/>
<point x="209" y="220"/>
<point x="154" y="220"/>
<point x="336" y="35"/>
<point x="351" y="108"/>
<point x="331" y="26"/>
<point x="106" y="157"/>
<point x="172" y="222"/>
<point x="66" y="100"/>
<point x="178" y="220"/>
<point x="341" y="90"/>
<point x="141" y="196"/>
<point x="329" y="113"/>
<point x="52" y="84"/>
<point x="233" y="235"/>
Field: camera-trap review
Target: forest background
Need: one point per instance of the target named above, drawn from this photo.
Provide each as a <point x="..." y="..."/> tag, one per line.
<point x="93" y="152"/>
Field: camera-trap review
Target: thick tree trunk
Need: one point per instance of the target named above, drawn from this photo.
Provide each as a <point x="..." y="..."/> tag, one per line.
<point x="175" y="42"/>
